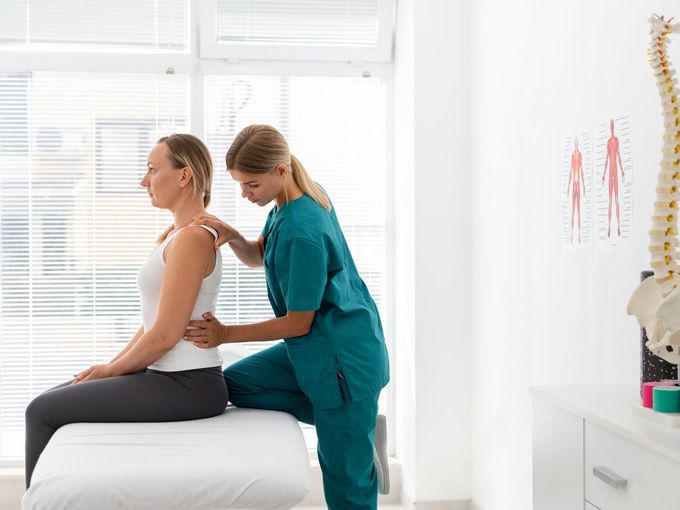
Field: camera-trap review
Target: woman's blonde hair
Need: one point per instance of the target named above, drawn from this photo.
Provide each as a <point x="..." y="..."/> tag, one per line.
<point x="259" y="149"/>
<point x="187" y="150"/>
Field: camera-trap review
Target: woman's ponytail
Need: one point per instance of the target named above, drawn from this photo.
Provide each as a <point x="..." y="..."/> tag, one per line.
<point x="306" y="184"/>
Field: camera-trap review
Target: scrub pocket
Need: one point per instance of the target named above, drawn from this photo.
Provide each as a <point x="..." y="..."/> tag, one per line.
<point x="342" y="383"/>
<point x="315" y="371"/>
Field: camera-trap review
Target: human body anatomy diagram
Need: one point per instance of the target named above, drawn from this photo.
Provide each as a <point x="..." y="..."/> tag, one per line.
<point x="577" y="185"/>
<point x="576" y="189"/>
<point x="613" y="169"/>
<point x="612" y="165"/>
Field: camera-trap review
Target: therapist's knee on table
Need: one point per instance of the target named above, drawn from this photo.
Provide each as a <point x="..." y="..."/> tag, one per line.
<point x="235" y="382"/>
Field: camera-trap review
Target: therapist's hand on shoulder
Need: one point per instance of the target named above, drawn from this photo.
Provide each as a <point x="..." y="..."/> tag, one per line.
<point x="207" y="333"/>
<point x="225" y="232"/>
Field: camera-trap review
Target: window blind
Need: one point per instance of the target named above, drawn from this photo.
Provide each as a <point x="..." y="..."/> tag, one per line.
<point x="75" y="224"/>
<point x="350" y="23"/>
<point x="95" y="25"/>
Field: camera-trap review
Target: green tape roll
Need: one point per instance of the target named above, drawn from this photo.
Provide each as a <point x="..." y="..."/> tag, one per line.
<point x="667" y="399"/>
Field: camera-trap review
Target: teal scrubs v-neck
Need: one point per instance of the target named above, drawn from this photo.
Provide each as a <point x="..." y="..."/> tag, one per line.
<point x="308" y="266"/>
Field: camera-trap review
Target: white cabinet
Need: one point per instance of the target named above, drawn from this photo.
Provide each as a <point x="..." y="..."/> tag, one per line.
<point x="623" y="475"/>
<point x="590" y="451"/>
<point x="557" y="485"/>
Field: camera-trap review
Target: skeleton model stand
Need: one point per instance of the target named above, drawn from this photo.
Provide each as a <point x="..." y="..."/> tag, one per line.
<point x="656" y="302"/>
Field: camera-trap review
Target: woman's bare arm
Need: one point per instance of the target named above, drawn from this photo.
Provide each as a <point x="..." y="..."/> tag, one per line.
<point x="132" y="342"/>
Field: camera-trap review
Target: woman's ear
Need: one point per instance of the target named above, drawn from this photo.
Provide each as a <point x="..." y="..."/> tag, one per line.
<point x="282" y="170"/>
<point x="185" y="177"/>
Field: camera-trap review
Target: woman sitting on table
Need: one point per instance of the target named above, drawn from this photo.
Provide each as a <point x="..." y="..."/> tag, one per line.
<point x="155" y="377"/>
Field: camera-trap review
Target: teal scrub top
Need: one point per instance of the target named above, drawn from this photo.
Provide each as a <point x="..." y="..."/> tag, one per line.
<point x="308" y="267"/>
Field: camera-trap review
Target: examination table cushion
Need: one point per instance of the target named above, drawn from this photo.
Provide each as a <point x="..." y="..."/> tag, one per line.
<point x="244" y="458"/>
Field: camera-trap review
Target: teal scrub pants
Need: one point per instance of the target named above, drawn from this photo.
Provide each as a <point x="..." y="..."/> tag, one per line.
<point x="266" y="380"/>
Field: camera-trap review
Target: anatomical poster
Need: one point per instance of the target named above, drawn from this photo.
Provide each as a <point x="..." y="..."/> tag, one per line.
<point x="613" y="176"/>
<point x="577" y="189"/>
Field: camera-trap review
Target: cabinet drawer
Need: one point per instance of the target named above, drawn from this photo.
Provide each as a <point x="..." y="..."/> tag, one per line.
<point x="649" y="477"/>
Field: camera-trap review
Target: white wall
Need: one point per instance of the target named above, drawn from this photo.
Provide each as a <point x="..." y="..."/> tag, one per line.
<point x="540" y="315"/>
<point x="404" y="252"/>
<point x="432" y="250"/>
<point x="442" y="279"/>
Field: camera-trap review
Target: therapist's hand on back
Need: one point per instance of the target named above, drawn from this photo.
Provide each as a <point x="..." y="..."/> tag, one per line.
<point x="225" y="232"/>
<point x="208" y="333"/>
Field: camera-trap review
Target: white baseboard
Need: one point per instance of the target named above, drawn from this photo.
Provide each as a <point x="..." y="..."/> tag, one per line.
<point x="459" y="504"/>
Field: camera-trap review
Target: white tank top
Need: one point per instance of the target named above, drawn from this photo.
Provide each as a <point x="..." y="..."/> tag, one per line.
<point x="184" y="355"/>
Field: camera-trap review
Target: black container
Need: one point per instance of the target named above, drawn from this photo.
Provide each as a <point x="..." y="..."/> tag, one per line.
<point x="653" y="368"/>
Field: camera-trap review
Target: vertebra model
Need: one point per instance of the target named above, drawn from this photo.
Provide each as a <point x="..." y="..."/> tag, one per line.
<point x="656" y="302"/>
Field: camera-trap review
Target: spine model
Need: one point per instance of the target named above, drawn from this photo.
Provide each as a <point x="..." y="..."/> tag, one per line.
<point x="663" y="235"/>
<point x="656" y="302"/>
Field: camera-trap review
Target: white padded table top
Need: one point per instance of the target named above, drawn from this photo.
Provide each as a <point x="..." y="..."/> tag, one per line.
<point x="244" y="458"/>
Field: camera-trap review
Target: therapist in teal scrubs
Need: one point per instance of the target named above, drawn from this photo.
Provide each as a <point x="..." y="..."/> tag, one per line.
<point x="333" y="362"/>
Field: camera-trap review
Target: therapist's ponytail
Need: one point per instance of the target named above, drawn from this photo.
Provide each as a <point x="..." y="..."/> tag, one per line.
<point x="258" y="149"/>
<point x="306" y="184"/>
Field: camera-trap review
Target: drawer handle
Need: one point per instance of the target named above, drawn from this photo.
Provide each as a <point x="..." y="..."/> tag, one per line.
<point x="609" y="477"/>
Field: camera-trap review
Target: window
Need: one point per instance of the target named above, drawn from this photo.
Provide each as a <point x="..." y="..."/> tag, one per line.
<point x="14" y="108"/>
<point x="75" y="225"/>
<point x="124" y="143"/>
<point x="143" y="26"/>
<point x="349" y="30"/>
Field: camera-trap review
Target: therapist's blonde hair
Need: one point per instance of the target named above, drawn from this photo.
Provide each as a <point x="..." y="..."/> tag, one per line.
<point x="188" y="150"/>
<point x="259" y="149"/>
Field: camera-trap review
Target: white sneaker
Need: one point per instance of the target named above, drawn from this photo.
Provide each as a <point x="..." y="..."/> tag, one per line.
<point x="380" y="455"/>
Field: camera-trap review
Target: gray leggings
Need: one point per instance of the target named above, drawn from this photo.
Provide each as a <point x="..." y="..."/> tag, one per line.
<point x="146" y="396"/>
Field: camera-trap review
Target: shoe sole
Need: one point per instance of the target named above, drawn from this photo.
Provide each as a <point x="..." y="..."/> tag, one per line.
<point x="380" y="455"/>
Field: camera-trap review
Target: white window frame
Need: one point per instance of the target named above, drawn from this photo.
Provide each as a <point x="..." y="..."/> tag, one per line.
<point x="197" y="67"/>
<point x="211" y="48"/>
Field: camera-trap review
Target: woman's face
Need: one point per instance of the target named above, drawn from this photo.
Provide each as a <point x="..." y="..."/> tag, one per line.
<point x="162" y="181"/>
<point x="260" y="189"/>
